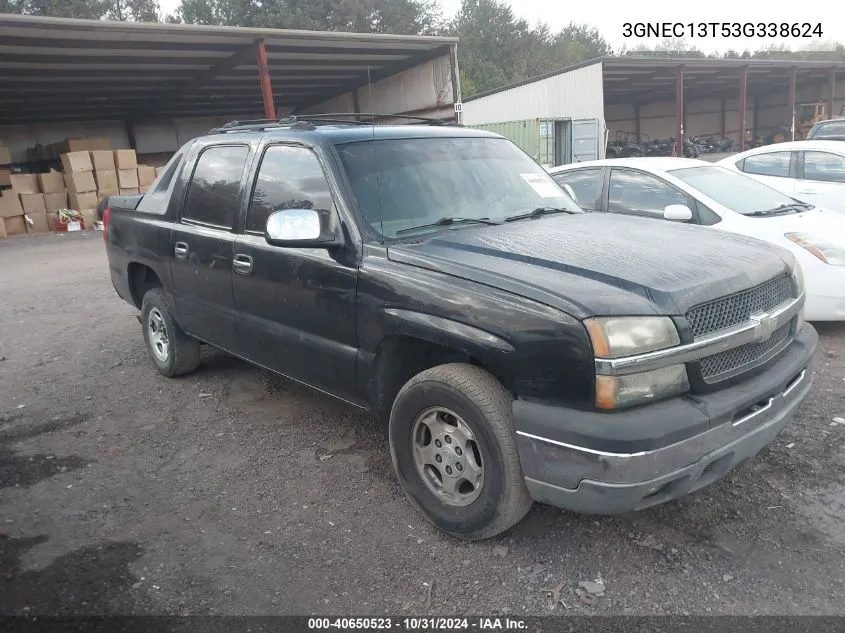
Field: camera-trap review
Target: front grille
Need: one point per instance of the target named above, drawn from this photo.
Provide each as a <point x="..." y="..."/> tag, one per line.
<point x="723" y="364"/>
<point x="738" y="308"/>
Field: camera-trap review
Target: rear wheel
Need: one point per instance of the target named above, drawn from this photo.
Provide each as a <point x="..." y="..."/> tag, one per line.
<point x="454" y="451"/>
<point x="173" y="352"/>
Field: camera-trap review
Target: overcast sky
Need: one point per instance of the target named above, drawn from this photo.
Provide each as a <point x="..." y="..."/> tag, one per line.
<point x="609" y="16"/>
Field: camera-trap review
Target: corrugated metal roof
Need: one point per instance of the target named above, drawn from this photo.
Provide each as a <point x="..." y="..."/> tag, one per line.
<point x="650" y="79"/>
<point x="61" y="69"/>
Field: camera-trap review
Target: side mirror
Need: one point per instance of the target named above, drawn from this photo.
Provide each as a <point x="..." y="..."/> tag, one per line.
<point x="301" y="228"/>
<point x="570" y="191"/>
<point x="677" y="213"/>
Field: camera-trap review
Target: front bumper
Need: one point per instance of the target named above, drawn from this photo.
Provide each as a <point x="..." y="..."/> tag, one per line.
<point x="611" y="463"/>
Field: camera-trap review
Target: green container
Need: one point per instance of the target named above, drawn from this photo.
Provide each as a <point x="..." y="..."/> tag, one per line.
<point x="545" y="140"/>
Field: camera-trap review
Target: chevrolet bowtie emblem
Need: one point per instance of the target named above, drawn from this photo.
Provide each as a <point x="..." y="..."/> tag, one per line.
<point x="764" y="326"/>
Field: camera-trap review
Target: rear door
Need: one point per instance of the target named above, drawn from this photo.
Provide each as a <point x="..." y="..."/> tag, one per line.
<point x="296" y="306"/>
<point x="201" y="245"/>
<point x="822" y="180"/>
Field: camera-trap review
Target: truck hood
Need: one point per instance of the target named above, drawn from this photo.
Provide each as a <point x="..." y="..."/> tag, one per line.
<point x="597" y="264"/>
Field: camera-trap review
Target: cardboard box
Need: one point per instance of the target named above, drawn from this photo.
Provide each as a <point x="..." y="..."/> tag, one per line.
<point x="76" y="161"/>
<point x="125" y="159"/>
<point x="10" y="204"/>
<point x="72" y="145"/>
<point x="55" y="201"/>
<point x="146" y="175"/>
<point x="129" y="192"/>
<point x="51" y="182"/>
<point x="143" y="189"/>
<point x="106" y="180"/>
<point x="5" y="156"/>
<point x="80" y="182"/>
<point x="5" y="177"/>
<point x="158" y="171"/>
<point x="15" y="226"/>
<point x="127" y="178"/>
<point x="36" y="222"/>
<point x="24" y="183"/>
<point x="3" y="229"/>
<point x="33" y="203"/>
<point x="103" y="160"/>
<point x="80" y="201"/>
<point x="89" y="217"/>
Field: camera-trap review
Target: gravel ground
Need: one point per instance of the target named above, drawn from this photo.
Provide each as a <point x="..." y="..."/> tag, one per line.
<point x="234" y="491"/>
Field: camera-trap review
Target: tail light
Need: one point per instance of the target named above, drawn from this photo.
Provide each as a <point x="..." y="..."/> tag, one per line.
<point x="106" y="215"/>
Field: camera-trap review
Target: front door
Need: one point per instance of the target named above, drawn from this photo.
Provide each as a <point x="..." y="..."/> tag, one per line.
<point x="296" y="306"/>
<point x="201" y="246"/>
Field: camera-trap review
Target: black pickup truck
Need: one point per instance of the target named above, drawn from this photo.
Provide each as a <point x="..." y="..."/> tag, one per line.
<point x="522" y="349"/>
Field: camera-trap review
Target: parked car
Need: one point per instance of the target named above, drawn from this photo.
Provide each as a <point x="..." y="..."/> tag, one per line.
<point x="812" y="171"/>
<point x="698" y="192"/>
<point x="522" y="349"/>
<point x="830" y="130"/>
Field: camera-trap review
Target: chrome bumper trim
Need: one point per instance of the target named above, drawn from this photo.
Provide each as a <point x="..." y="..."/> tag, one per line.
<point x="584" y="463"/>
<point x="758" y="329"/>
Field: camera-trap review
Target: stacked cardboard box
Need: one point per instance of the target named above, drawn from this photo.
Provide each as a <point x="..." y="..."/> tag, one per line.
<point x="53" y="151"/>
<point x="127" y="171"/>
<point x="22" y="208"/>
<point x="79" y="180"/>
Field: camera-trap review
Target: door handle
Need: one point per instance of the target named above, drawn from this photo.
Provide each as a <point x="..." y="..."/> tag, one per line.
<point x="242" y="264"/>
<point x="181" y="250"/>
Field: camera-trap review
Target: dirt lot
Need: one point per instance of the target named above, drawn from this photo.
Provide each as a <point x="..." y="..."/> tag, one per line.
<point x="233" y="491"/>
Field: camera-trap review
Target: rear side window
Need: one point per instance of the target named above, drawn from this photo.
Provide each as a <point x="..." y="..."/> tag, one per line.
<point x="212" y="196"/>
<point x="824" y="167"/>
<point x="289" y="178"/>
<point x="773" y="164"/>
<point x="585" y="183"/>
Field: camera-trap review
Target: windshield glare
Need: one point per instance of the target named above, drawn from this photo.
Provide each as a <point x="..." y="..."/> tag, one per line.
<point x="735" y="191"/>
<point x="409" y="182"/>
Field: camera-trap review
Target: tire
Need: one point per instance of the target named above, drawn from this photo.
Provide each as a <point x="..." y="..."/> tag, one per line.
<point x="482" y="406"/>
<point x="177" y="353"/>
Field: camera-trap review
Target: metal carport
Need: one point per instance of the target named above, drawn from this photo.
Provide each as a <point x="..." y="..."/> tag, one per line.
<point x="55" y="70"/>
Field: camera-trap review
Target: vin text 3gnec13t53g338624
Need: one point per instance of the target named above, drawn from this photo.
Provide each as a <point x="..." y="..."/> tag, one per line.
<point x="523" y="350"/>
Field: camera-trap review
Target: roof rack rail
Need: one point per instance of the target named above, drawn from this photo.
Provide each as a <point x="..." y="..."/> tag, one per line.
<point x="308" y="121"/>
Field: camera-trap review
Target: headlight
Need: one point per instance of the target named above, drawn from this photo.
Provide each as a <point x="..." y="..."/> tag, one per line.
<point x="618" y="392"/>
<point x="821" y="247"/>
<point x="613" y="337"/>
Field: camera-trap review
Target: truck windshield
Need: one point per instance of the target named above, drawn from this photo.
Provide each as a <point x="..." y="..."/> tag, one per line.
<point x="735" y="191"/>
<point x="408" y="186"/>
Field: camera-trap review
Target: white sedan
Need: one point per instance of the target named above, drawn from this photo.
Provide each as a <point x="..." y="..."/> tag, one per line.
<point x="698" y="192"/>
<point x="812" y="171"/>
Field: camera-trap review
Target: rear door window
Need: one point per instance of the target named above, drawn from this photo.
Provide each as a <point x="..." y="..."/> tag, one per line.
<point x="771" y="164"/>
<point x="213" y="196"/>
<point x="824" y="167"/>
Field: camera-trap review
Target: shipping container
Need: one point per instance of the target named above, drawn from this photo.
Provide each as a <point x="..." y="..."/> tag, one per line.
<point x="552" y="142"/>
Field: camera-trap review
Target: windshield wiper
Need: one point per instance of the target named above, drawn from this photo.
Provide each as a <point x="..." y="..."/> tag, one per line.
<point x="783" y="208"/>
<point x="446" y="222"/>
<point x="538" y="212"/>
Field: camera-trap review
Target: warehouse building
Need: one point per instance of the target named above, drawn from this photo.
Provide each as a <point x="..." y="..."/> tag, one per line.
<point x="572" y="114"/>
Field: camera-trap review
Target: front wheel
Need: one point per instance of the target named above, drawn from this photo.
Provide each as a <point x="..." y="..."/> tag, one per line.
<point x="172" y="351"/>
<point x="454" y="451"/>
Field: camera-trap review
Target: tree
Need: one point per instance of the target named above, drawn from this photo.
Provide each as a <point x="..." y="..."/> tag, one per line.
<point x="129" y="10"/>
<point x="133" y="10"/>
